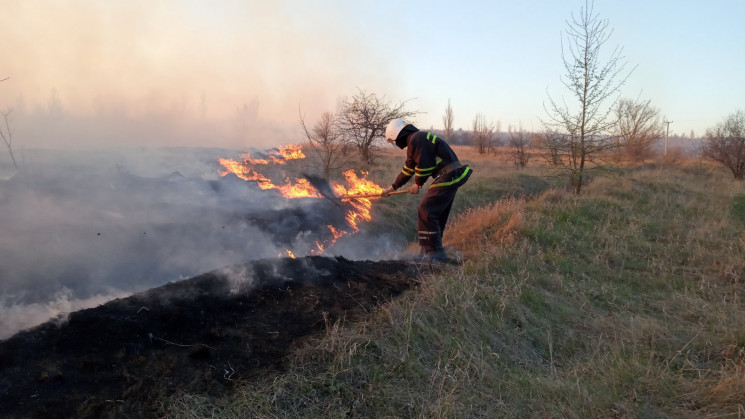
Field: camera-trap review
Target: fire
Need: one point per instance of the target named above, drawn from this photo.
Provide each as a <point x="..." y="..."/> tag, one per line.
<point x="336" y="233"/>
<point x="246" y="173"/>
<point x="359" y="210"/>
<point x="300" y="189"/>
<point x="289" y="152"/>
<point x="358" y="186"/>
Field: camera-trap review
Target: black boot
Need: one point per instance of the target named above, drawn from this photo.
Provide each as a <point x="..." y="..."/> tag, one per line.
<point x="435" y="256"/>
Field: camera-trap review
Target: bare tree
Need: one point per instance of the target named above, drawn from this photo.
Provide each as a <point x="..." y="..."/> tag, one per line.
<point x="496" y="140"/>
<point x="583" y="128"/>
<point x="551" y="143"/>
<point x="482" y="134"/>
<point x="725" y="144"/>
<point x="639" y="127"/>
<point x="6" y="133"/>
<point x="325" y="140"/>
<point x="447" y="122"/>
<point x="362" y="120"/>
<point x="519" y="142"/>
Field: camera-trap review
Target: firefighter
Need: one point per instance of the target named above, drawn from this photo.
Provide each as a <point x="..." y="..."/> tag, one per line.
<point x="428" y="155"/>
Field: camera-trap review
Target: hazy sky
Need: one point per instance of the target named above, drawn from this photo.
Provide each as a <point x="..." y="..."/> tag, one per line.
<point x="245" y="68"/>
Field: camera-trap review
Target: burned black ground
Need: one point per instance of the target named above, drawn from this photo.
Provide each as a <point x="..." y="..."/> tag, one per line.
<point x="200" y="336"/>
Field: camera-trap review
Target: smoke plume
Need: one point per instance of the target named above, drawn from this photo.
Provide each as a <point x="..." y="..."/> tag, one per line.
<point x="80" y="227"/>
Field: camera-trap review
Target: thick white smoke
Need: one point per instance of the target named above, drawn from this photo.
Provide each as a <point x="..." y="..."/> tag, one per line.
<point x="80" y="227"/>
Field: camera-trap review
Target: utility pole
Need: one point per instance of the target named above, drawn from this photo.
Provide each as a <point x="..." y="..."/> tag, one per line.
<point x="667" y="134"/>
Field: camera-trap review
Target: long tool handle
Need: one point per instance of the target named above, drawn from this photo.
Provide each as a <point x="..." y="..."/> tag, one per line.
<point x="376" y="195"/>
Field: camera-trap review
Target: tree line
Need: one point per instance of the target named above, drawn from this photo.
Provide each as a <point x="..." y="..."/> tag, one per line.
<point x="578" y="134"/>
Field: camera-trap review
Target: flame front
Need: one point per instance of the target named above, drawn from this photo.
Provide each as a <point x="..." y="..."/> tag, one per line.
<point x="246" y="173"/>
<point x="358" y="186"/>
<point x="301" y="188"/>
<point x="291" y="152"/>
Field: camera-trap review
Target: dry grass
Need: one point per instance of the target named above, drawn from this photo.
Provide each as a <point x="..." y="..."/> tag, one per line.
<point x="486" y="229"/>
<point x="626" y="301"/>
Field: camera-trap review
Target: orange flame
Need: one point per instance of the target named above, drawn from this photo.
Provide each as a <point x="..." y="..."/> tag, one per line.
<point x="334" y="232"/>
<point x="247" y="159"/>
<point x="244" y="172"/>
<point x="358" y="186"/>
<point x="301" y="188"/>
<point x="289" y="152"/>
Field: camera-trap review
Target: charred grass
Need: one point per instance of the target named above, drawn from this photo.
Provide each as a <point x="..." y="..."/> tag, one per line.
<point x="626" y="301"/>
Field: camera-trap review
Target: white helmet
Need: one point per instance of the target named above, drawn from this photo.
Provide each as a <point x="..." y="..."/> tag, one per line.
<point x="393" y="129"/>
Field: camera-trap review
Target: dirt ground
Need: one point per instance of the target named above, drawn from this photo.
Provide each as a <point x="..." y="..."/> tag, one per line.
<point x="200" y="336"/>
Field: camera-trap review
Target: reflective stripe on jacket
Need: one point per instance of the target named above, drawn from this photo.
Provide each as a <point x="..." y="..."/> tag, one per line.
<point x="426" y="155"/>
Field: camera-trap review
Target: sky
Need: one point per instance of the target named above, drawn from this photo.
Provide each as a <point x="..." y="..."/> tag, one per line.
<point x="240" y="73"/>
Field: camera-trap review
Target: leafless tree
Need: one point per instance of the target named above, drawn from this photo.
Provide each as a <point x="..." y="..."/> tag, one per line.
<point x="482" y="134"/>
<point x="325" y="140"/>
<point x="583" y="128"/>
<point x="496" y="138"/>
<point x="725" y="144"/>
<point x="362" y="120"/>
<point x="520" y="142"/>
<point x="6" y="133"/>
<point x="551" y="143"/>
<point x="447" y="122"/>
<point x="638" y="126"/>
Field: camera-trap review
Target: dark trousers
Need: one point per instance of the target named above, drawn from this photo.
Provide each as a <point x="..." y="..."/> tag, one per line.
<point x="432" y="216"/>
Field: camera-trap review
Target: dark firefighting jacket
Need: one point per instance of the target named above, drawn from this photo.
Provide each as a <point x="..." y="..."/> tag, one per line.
<point x="426" y="155"/>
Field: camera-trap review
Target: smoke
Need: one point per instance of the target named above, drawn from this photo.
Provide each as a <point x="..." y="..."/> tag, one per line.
<point x="84" y="226"/>
<point x="20" y="316"/>
<point x="92" y="215"/>
<point x="179" y="73"/>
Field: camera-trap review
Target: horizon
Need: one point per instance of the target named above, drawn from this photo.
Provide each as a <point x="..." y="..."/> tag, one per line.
<point x="239" y="75"/>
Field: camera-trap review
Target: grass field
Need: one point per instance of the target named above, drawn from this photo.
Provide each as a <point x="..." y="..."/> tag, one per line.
<point x="625" y="301"/>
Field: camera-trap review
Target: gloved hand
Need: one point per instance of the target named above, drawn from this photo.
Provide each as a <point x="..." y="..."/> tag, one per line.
<point x="414" y="189"/>
<point x="387" y="192"/>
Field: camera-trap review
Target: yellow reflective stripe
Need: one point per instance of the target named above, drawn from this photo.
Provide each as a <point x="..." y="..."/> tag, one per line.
<point x="407" y="172"/>
<point x="438" y="160"/>
<point x="428" y="134"/>
<point x="426" y="169"/>
<point x="433" y="139"/>
<point x="458" y="179"/>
